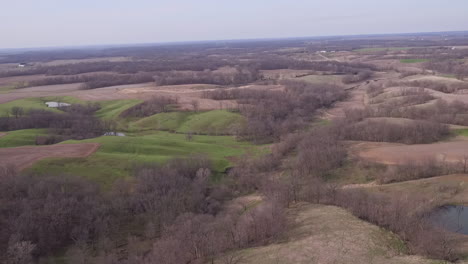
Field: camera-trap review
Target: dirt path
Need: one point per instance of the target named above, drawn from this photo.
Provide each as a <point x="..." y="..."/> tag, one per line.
<point x="23" y="157"/>
<point x="2" y="134"/>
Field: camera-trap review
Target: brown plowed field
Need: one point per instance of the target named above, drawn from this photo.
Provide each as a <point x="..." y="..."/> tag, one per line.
<point x="23" y="157"/>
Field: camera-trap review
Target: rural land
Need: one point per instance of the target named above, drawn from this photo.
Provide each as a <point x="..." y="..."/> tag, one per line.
<point x="326" y="150"/>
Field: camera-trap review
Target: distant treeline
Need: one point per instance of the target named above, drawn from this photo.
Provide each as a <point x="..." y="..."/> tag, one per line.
<point x="191" y="63"/>
<point x="241" y="75"/>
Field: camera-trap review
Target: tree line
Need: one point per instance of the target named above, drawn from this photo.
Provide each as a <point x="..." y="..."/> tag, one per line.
<point x="271" y="114"/>
<point x="240" y="76"/>
<point x="76" y="122"/>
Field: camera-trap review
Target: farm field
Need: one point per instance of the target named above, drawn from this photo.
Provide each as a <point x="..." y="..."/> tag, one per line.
<point x="23" y="157"/>
<point x="117" y="156"/>
<point x="323" y="150"/>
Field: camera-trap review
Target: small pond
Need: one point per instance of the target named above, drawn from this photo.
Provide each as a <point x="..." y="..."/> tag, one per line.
<point x="452" y="217"/>
<point x="56" y="104"/>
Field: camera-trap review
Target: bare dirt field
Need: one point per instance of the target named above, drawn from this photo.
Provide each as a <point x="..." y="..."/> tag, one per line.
<point x="396" y="64"/>
<point x="432" y="78"/>
<point x="392" y="153"/>
<point x="285" y="73"/>
<point x="39" y="91"/>
<point x="393" y="92"/>
<point x="404" y="121"/>
<point x="9" y="81"/>
<point x="186" y="94"/>
<point x="325" y="235"/>
<point x="23" y="157"/>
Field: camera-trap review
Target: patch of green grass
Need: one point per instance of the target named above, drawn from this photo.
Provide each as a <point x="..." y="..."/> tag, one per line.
<point x="27" y="104"/>
<point x="36" y="103"/>
<point x="117" y="156"/>
<point x="21" y="137"/>
<point x="216" y="122"/>
<point x="322" y="122"/>
<point x="163" y="121"/>
<point x="112" y="109"/>
<point x="461" y="132"/>
<point x="413" y="60"/>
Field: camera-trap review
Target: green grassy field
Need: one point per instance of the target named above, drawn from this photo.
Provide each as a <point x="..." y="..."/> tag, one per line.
<point x="118" y="155"/>
<point x="27" y="104"/>
<point x="461" y="132"/>
<point x="216" y="122"/>
<point x="163" y="121"/>
<point x="109" y="109"/>
<point x="413" y="60"/>
<point x="21" y="137"/>
<point x="112" y="109"/>
<point x="37" y="103"/>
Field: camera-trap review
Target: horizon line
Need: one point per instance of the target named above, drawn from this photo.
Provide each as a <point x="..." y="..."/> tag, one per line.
<point x="182" y="42"/>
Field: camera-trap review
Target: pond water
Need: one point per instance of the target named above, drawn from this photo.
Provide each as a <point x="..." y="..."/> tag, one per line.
<point x="56" y="104"/>
<point x="115" y="134"/>
<point x="452" y="217"/>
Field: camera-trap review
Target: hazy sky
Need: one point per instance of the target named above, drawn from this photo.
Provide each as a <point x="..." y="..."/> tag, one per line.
<point x="40" y="23"/>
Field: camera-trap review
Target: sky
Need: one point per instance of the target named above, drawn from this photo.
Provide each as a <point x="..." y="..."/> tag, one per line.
<point x="52" y="23"/>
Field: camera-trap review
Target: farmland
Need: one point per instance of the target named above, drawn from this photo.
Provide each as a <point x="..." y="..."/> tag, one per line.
<point x="297" y="151"/>
<point x="117" y="156"/>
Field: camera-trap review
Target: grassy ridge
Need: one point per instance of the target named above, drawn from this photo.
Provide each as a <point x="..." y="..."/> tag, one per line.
<point x="163" y="121"/>
<point x="37" y="103"/>
<point x="216" y="122"/>
<point x="118" y="155"/>
<point x="27" y="104"/>
<point x="212" y="122"/>
<point x="21" y="137"/>
<point x="112" y="109"/>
